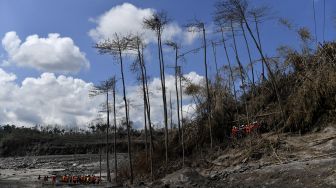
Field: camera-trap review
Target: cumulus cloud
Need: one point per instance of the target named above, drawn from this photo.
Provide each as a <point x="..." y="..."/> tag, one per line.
<point x="128" y="19"/>
<point x="46" y="100"/>
<point x="6" y="77"/>
<point x="51" y="54"/>
<point x="64" y="100"/>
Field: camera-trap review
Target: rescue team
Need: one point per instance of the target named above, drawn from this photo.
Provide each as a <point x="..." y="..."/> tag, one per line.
<point x="73" y="179"/>
<point x="244" y="130"/>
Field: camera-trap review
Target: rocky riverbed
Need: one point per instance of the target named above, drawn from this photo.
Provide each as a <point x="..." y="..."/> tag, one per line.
<point x="24" y="171"/>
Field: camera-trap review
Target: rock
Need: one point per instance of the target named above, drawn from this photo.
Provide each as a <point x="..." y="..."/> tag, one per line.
<point x="184" y="176"/>
<point x="23" y="165"/>
<point x="141" y="183"/>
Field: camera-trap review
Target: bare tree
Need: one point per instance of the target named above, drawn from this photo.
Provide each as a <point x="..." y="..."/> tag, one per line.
<point x="156" y="23"/>
<point x="176" y="47"/>
<point x="239" y="8"/>
<point x="137" y="44"/>
<point x="214" y="51"/>
<point x="258" y="14"/>
<point x="241" y="68"/>
<point x="104" y="88"/>
<point x="230" y="69"/>
<point x="248" y="52"/>
<point x="117" y="46"/>
<point x="198" y="26"/>
<point x="115" y="132"/>
<point x="181" y="100"/>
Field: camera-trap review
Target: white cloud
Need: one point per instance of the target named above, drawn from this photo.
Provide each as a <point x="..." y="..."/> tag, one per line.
<point x="51" y="54"/>
<point x="63" y="100"/>
<point x="128" y="19"/>
<point x="6" y="77"/>
<point x="46" y="100"/>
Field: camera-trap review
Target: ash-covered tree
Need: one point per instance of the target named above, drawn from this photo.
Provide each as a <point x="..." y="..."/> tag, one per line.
<point x="137" y="45"/>
<point x="104" y="88"/>
<point x="116" y="47"/>
<point x="176" y="48"/>
<point x="157" y="22"/>
<point x="241" y="9"/>
<point x="198" y="26"/>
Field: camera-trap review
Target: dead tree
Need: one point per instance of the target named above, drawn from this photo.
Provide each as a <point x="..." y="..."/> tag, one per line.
<point x="156" y="23"/>
<point x="176" y="47"/>
<point x="213" y="44"/>
<point x="248" y="52"/>
<point x="171" y="112"/>
<point x="178" y="69"/>
<point x="117" y="46"/>
<point x="136" y="44"/>
<point x="230" y="69"/>
<point x="104" y="88"/>
<point x="241" y="68"/>
<point x="239" y="8"/>
<point x="258" y="14"/>
<point x="115" y="132"/>
<point x="198" y="26"/>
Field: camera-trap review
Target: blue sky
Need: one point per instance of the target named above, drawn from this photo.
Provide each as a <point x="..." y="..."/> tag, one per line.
<point x="73" y="19"/>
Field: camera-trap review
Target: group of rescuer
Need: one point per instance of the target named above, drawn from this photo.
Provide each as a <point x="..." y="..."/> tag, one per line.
<point x="244" y="130"/>
<point x="89" y="179"/>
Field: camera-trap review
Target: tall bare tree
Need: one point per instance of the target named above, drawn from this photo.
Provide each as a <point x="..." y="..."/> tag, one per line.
<point x="248" y="52"/>
<point x="240" y="8"/>
<point x="117" y="46"/>
<point x="199" y="26"/>
<point x="137" y="44"/>
<point x="178" y="69"/>
<point x="232" y="77"/>
<point x="156" y="22"/>
<point x="115" y="132"/>
<point x="257" y="14"/>
<point x="240" y="66"/>
<point x="176" y="47"/>
<point x="104" y="88"/>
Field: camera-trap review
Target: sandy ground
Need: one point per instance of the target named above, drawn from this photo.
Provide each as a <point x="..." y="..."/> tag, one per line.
<point x="299" y="161"/>
<point x="24" y="171"/>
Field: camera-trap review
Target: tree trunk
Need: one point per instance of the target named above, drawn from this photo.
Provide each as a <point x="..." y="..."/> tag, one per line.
<point x="215" y="60"/>
<point x="144" y="96"/>
<point x="145" y="124"/>
<point x="207" y="86"/>
<point x="182" y="131"/>
<point x="100" y="159"/>
<point x="115" y="134"/>
<point x="148" y="116"/>
<point x="163" y="88"/>
<point x="249" y="54"/>
<point x="107" y="144"/>
<point x="241" y="70"/>
<point x="231" y="72"/>
<point x="177" y="94"/>
<point x="127" y="118"/>
<point x="263" y="60"/>
<point x="171" y="112"/>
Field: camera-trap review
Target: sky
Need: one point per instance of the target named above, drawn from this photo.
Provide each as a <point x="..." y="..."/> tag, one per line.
<point x="48" y="64"/>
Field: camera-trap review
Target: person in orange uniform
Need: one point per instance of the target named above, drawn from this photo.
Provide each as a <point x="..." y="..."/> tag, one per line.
<point x="234" y="131"/>
<point x="53" y="179"/>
